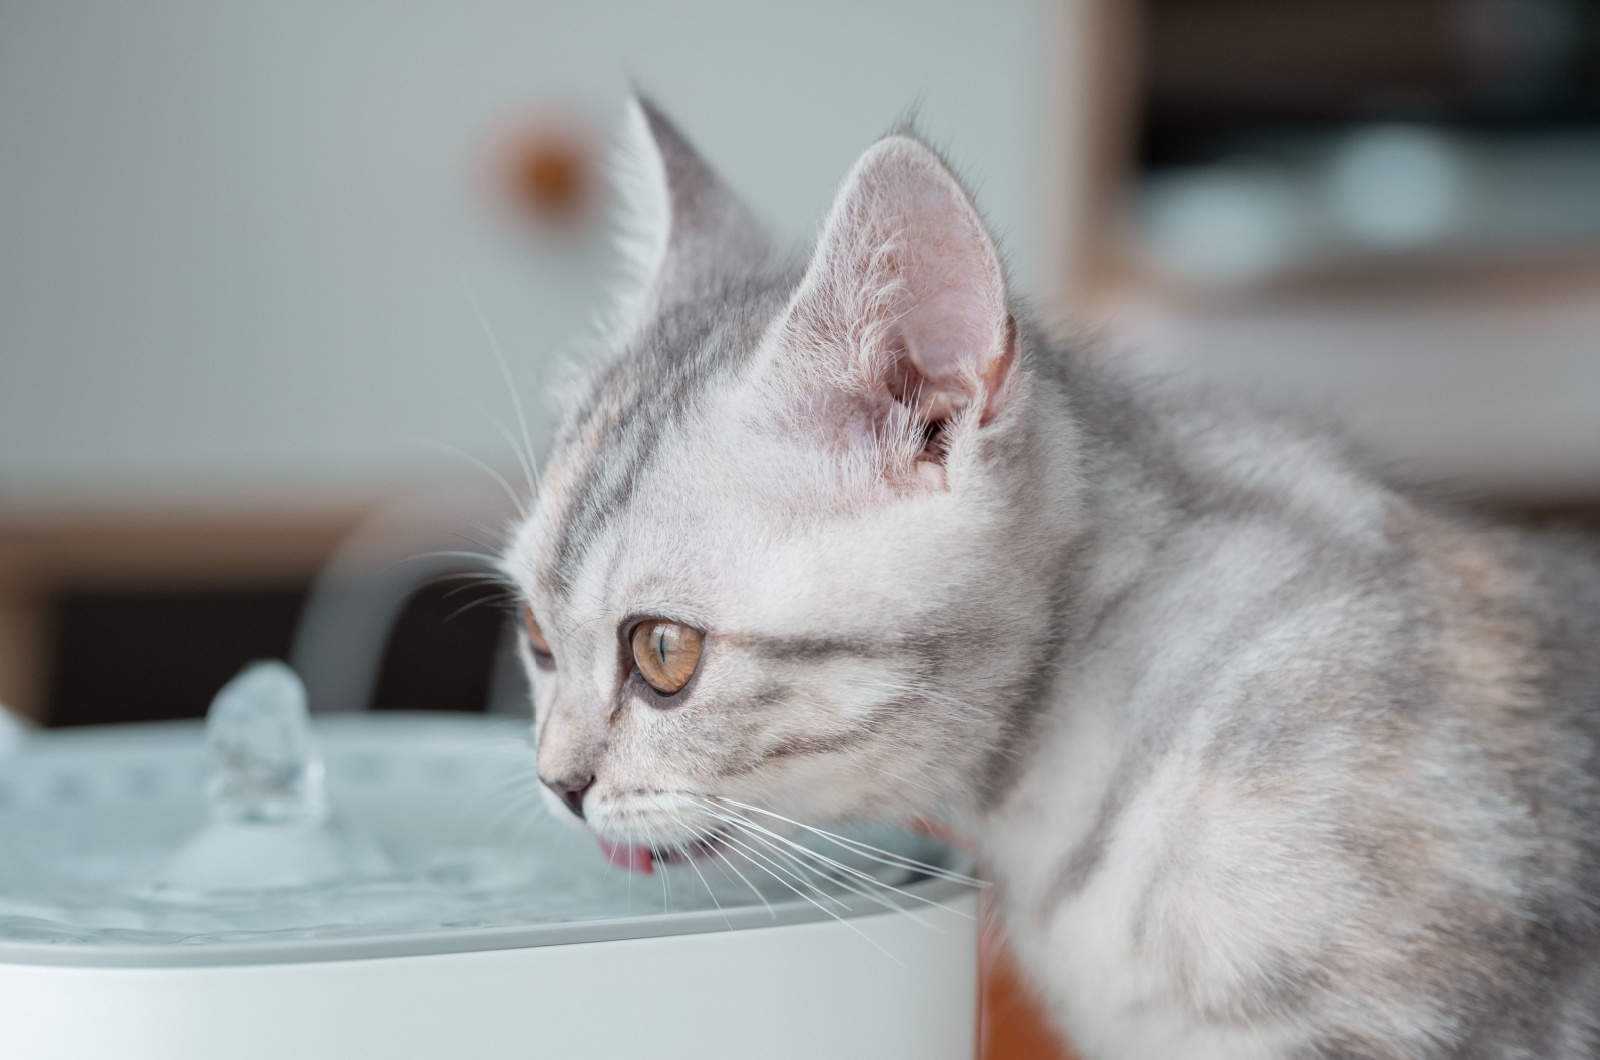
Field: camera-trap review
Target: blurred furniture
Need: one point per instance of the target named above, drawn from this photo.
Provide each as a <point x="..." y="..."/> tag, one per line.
<point x="45" y="555"/>
<point x="142" y="615"/>
<point x="1382" y="209"/>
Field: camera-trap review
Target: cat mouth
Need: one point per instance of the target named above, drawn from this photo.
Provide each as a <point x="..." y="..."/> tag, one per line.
<point x="643" y="859"/>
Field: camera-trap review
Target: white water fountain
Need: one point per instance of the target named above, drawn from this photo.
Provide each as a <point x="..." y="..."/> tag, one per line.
<point x="387" y="885"/>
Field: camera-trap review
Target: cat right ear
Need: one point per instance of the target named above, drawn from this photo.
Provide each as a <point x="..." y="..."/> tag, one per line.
<point x="682" y="226"/>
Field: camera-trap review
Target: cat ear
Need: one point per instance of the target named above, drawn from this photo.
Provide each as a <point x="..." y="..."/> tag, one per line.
<point x="905" y="298"/>
<point x="682" y="227"/>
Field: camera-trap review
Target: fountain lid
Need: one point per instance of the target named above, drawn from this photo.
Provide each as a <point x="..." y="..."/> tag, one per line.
<point x="416" y="833"/>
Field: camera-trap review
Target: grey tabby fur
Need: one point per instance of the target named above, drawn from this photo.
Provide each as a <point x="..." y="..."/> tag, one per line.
<point x="1267" y="758"/>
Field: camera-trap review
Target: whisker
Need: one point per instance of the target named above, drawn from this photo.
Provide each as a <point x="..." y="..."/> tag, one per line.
<point x="666" y="877"/>
<point x="807" y="851"/>
<point x="449" y="553"/>
<point x="921" y="785"/>
<point x="688" y="856"/>
<point x="771" y="912"/>
<point x="866" y="850"/>
<point x="516" y="783"/>
<point x="481" y="465"/>
<point x="874" y="943"/>
<point x="524" y="460"/>
<point x="484" y="576"/>
<point x="631" y="875"/>
<point x="780" y="873"/>
<point x="523" y="775"/>
<point x="470" y="580"/>
<point x="525" y="800"/>
<point x="483" y="546"/>
<point x="495" y="598"/>
<point x="844" y="882"/>
<point x="666" y="887"/>
<point x="483" y="561"/>
<point x="505" y="373"/>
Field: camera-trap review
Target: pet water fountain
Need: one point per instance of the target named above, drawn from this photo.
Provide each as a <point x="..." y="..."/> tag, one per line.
<point x="266" y="886"/>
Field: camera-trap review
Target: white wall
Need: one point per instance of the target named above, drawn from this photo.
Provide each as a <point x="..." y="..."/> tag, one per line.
<point x="232" y="234"/>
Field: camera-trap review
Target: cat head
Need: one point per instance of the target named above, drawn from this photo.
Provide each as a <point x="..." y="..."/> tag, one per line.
<point x="783" y="552"/>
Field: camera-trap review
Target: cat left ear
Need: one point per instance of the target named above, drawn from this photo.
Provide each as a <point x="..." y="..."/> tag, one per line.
<point x="905" y="298"/>
<point x="683" y="227"/>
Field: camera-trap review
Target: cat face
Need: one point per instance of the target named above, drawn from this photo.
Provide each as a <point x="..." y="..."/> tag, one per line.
<point x="779" y="554"/>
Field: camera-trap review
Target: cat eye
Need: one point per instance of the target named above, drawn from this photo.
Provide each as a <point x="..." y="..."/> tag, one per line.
<point x="541" y="647"/>
<point x="665" y="653"/>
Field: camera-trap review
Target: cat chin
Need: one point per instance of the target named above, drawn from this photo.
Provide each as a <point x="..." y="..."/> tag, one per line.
<point x="664" y="822"/>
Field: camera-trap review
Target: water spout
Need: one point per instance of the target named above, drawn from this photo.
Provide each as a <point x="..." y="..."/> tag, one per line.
<point x="270" y="825"/>
<point x="264" y="763"/>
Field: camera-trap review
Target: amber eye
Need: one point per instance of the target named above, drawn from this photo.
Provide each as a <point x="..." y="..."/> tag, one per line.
<point x="666" y="653"/>
<point x="541" y="647"/>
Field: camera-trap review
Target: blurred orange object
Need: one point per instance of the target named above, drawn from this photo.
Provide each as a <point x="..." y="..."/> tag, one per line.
<point x="1011" y="1023"/>
<point x="549" y="172"/>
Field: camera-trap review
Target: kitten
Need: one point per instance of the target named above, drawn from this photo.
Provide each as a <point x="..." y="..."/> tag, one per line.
<point x="1266" y="758"/>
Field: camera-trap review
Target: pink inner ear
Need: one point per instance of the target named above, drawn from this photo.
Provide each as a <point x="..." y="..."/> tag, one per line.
<point x="946" y="338"/>
<point x="953" y="326"/>
<point x="943" y="330"/>
<point x="907" y="291"/>
<point x="934" y="344"/>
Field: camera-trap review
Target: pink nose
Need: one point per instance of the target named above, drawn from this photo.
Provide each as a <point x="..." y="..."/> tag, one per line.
<point x="571" y="790"/>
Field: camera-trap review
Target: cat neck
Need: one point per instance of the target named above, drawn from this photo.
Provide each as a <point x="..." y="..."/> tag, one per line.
<point x="1175" y="502"/>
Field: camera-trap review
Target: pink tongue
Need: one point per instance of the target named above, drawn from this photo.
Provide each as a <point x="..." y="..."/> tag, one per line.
<point x="627" y="856"/>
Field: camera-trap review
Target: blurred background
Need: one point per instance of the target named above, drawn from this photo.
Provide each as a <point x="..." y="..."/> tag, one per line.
<point x="249" y="405"/>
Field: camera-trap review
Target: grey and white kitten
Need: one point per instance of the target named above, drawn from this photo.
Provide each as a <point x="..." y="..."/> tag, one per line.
<point x="1266" y="757"/>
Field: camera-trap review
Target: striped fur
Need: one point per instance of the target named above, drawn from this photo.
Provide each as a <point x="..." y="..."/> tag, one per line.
<point x="1268" y="758"/>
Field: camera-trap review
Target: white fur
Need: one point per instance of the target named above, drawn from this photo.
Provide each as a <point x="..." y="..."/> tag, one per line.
<point x="787" y="505"/>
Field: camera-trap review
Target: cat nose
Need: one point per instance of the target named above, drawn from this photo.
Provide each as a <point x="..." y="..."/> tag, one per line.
<point x="571" y="790"/>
